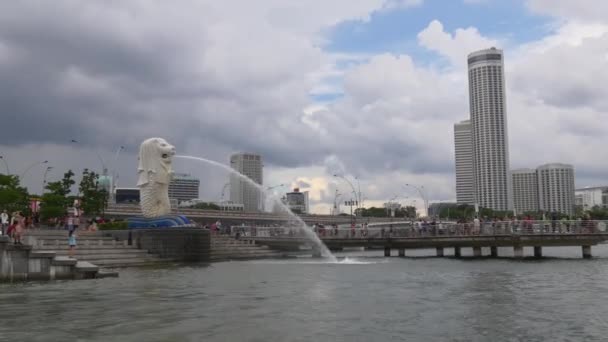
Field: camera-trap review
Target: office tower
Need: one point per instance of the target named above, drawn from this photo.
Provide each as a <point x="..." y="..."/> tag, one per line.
<point x="251" y="166"/>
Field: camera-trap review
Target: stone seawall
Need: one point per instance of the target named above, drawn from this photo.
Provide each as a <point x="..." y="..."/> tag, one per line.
<point x="178" y="244"/>
<point x="20" y="263"/>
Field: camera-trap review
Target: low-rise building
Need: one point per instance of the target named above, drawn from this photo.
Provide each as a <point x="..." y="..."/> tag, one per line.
<point x="589" y="197"/>
<point x="297" y="201"/>
<point x="183" y="187"/>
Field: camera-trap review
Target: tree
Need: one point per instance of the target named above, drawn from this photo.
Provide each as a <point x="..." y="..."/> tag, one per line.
<point x="94" y="199"/>
<point x="206" y="206"/>
<point x="13" y="197"/>
<point x="598" y="213"/>
<point x="56" y="200"/>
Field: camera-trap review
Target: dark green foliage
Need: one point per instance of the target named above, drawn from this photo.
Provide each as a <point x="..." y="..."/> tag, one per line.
<point x="207" y="206"/>
<point x="56" y="200"/>
<point x="13" y="197"/>
<point x="93" y="199"/>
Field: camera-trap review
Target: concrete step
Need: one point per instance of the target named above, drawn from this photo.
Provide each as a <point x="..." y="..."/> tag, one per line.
<point x="82" y="247"/>
<point x="232" y="244"/>
<point x="79" y="242"/>
<point x="42" y="254"/>
<point x="63" y="261"/>
<point x="245" y="257"/>
<point x="239" y="248"/>
<point x="59" y="234"/>
<point x="85" y="266"/>
<point x="214" y="253"/>
<point x="128" y="262"/>
<point x="105" y="256"/>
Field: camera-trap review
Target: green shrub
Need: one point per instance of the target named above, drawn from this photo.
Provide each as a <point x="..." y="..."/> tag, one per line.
<point x="116" y="225"/>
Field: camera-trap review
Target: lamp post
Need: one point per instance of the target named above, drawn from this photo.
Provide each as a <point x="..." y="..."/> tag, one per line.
<point x="357" y="200"/>
<point x="114" y="180"/>
<point x="104" y="169"/>
<point x="31" y="166"/>
<point x="224" y="191"/>
<point x="359" y="189"/>
<point x="389" y="207"/>
<point x="271" y="188"/>
<point x="48" y="168"/>
<point x="423" y="196"/>
<point x="8" y="172"/>
<point x="336" y="203"/>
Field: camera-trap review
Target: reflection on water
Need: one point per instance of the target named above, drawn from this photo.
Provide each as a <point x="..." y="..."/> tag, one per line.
<point x="362" y="297"/>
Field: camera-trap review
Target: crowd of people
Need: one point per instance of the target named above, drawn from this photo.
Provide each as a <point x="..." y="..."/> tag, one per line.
<point x="14" y="225"/>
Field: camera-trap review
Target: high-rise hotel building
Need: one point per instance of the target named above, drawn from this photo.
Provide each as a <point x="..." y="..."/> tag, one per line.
<point x="463" y="148"/>
<point x="241" y="191"/>
<point x="489" y="130"/>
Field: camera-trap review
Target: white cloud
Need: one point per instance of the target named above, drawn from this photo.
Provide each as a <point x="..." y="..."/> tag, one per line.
<point x="214" y="81"/>
<point x="454" y="46"/>
<point x="393" y="4"/>
<point x="585" y="10"/>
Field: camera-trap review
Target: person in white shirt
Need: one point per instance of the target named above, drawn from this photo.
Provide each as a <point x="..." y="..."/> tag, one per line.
<point x="476" y="226"/>
<point x="4" y="221"/>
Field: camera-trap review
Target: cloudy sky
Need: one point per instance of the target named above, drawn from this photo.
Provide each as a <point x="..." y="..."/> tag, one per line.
<point x="367" y="88"/>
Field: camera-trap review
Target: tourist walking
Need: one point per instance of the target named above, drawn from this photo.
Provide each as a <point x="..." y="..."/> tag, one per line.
<point x="19" y="226"/>
<point x="72" y="243"/>
<point x="4" y="221"/>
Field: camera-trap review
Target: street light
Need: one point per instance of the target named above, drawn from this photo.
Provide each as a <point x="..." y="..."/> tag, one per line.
<point x="336" y="203"/>
<point x="31" y="166"/>
<point x="48" y="168"/>
<point x="114" y="173"/>
<point x="423" y="196"/>
<point x="223" y="192"/>
<point x="8" y="172"/>
<point x="103" y="164"/>
<point x="351" y="186"/>
<point x="359" y="188"/>
<point x="273" y="197"/>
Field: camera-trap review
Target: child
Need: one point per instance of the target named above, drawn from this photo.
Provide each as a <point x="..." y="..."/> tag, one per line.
<point x="11" y="231"/>
<point x="72" y="243"/>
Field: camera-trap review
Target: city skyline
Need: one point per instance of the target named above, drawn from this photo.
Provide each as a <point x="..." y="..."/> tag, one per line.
<point x="369" y="91"/>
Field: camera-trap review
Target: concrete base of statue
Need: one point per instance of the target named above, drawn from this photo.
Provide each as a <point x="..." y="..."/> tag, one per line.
<point x="167" y="221"/>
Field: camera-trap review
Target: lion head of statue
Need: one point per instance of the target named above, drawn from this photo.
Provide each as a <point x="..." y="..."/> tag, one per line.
<point x="155" y="157"/>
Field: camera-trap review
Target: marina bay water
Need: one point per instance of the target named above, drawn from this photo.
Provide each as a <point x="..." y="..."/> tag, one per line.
<point x="366" y="298"/>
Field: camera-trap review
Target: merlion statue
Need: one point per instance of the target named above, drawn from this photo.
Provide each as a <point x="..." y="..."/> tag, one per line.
<point x="154" y="174"/>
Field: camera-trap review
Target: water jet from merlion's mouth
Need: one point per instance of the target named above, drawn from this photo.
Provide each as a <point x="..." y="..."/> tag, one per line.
<point x="310" y="234"/>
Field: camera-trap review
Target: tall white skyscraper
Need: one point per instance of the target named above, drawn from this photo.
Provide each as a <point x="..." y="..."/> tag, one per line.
<point x="250" y="165"/>
<point x="489" y="130"/>
<point x="525" y="190"/>
<point x="556" y="188"/>
<point x="463" y="149"/>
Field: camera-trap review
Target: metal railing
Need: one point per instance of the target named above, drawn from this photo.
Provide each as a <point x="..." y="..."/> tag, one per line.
<point x="426" y="229"/>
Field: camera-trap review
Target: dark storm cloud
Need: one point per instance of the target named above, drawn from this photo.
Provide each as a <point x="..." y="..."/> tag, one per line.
<point x="117" y="77"/>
